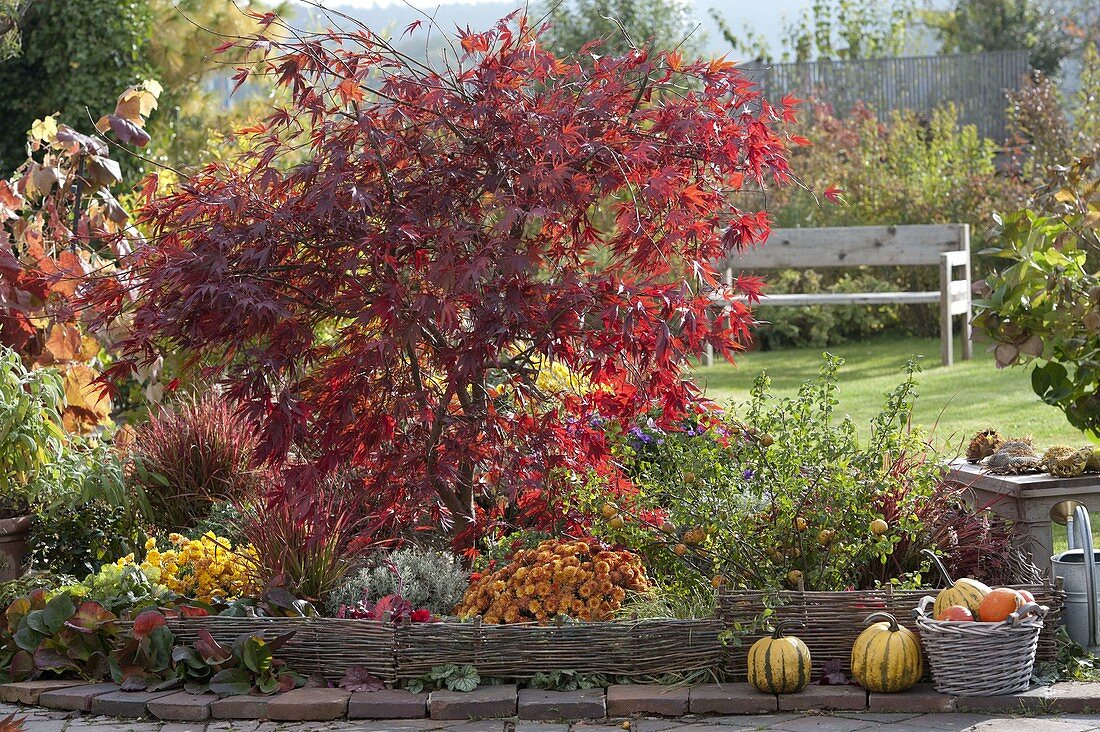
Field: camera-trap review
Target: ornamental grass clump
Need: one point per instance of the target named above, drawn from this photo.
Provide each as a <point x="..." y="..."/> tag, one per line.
<point x="576" y="579"/>
<point x="188" y="458"/>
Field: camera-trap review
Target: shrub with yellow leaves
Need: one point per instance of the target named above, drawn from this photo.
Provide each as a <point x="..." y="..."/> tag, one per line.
<point x="577" y="579"/>
<point x="207" y="569"/>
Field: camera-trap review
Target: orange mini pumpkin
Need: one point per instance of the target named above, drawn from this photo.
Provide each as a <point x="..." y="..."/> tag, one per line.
<point x="956" y="613"/>
<point x="999" y="604"/>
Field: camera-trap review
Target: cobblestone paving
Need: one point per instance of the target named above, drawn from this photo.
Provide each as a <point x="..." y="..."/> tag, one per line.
<point x="39" y="720"/>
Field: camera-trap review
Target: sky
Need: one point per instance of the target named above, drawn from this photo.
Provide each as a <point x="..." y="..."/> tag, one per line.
<point x="766" y="18"/>
<point x="779" y="6"/>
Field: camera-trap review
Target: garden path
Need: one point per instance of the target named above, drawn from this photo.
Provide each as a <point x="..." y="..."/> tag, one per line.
<point x="40" y="720"/>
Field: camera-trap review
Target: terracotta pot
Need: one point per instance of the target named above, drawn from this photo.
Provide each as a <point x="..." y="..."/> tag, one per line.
<point x="13" y="542"/>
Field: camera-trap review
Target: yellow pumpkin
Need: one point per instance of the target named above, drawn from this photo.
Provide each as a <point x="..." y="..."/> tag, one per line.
<point x="964" y="591"/>
<point x="779" y="664"/>
<point x="886" y="656"/>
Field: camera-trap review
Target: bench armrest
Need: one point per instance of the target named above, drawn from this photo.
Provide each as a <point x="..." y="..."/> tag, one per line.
<point x="955" y="259"/>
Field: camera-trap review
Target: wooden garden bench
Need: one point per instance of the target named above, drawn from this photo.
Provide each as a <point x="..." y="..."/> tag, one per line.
<point x="945" y="245"/>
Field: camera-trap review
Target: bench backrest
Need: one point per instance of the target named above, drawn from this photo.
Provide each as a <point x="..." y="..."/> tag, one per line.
<point x="849" y="246"/>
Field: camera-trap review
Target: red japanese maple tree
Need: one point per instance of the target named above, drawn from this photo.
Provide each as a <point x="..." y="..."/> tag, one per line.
<point x="380" y="279"/>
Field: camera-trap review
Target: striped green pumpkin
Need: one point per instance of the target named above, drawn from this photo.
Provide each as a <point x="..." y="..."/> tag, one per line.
<point x="886" y="656"/>
<point x="779" y="664"/>
<point x="964" y="591"/>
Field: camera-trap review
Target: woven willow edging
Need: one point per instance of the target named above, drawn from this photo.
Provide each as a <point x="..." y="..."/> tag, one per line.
<point x="834" y="619"/>
<point x="623" y="648"/>
<point x="981" y="659"/>
<point x="328" y="646"/>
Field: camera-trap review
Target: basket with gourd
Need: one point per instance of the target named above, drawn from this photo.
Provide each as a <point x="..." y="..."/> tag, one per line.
<point x="979" y="641"/>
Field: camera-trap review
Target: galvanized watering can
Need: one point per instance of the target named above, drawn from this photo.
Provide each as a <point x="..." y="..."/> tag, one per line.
<point x="1077" y="567"/>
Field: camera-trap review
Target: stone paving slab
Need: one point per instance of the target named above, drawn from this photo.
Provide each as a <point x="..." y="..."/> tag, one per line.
<point x="626" y="700"/>
<point x="387" y="704"/>
<point x="125" y="703"/>
<point x="1031" y="700"/>
<point x="1029" y="712"/>
<point x="308" y="704"/>
<point x="731" y="698"/>
<point x="240" y="707"/>
<point x="182" y="707"/>
<point x="529" y="726"/>
<point x="77" y="698"/>
<point x="829" y="698"/>
<point x="482" y="703"/>
<point x="922" y="698"/>
<point x="1074" y="697"/>
<point x="555" y="705"/>
<point x="27" y="692"/>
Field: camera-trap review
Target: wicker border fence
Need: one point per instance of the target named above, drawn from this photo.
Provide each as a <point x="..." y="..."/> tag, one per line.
<point x="623" y="648"/>
<point x="330" y="646"/>
<point x="641" y="648"/>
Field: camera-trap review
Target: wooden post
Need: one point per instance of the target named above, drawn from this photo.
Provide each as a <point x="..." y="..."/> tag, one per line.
<point x="727" y="278"/>
<point x="967" y="329"/>
<point x="946" y="337"/>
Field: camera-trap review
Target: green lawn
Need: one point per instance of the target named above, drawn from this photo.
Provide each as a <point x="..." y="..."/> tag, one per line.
<point x="965" y="397"/>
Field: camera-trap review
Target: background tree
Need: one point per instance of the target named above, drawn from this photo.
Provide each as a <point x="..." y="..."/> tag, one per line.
<point x="196" y="104"/>
<point x="830" y="29"/>
<point x="76" y="55"/>
<point x="11" y="14"/>
<point x="386" y="306"/>
<point x="621" y="24"/>
<point x="1003" y="25"/>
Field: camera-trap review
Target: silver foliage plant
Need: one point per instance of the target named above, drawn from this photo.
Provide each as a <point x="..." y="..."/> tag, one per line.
<point x="430" y="579"/>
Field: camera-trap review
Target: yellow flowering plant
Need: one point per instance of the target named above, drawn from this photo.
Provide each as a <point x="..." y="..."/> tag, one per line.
<point x="207" y="569"/>
<point x="577" y="579"/>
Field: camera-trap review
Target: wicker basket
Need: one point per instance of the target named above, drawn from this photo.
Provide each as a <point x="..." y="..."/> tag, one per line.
<point x="981" y="659"/>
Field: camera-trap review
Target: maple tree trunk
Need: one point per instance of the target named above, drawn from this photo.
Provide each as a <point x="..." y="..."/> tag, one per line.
<point x="459" y="497"/>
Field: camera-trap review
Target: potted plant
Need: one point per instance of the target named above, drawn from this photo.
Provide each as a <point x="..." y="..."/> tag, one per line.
<point x="31" y="441"/>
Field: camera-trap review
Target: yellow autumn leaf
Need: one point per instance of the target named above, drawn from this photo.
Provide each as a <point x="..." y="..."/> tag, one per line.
<point x="89" y="348"/>
<point x="87" y="406"/>
<point x="44" y="130"/>
<point x="153" y="87"/>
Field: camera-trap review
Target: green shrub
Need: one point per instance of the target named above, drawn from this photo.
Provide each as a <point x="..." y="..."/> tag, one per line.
<point x="1043" y="305"/>
<point x="84" y="515"/>
<point x="434" y="580"/>
<point x="894" y="169"/>
<point x="785" y="495"/>
<point x="31" y="432"/>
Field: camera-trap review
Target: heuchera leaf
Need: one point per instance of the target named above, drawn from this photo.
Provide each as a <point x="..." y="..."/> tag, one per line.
<point x="90" y="617"/>
<point x="210" y="650"/>
<point x="832" y="672"/>
<point x="358" y="678"/>
<point x="145" y="623"/>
